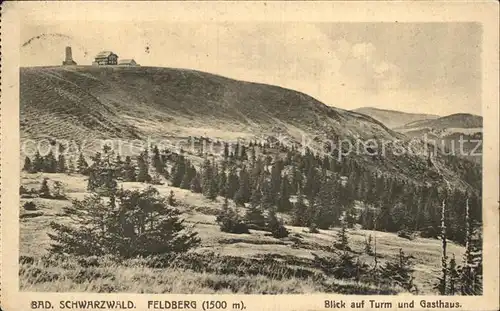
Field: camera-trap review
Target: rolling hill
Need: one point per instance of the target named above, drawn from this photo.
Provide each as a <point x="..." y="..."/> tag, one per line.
<point x="459" y="133"/>
<point x="132" y="102"/>
<point x="458" y="120"/>
<point x="394" y="118"/>
<point x="83" y="103"/>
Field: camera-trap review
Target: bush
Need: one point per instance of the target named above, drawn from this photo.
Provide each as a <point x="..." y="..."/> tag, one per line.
<point x="276" y="226"/>
<point x="30" y="206"/>
<point x="399" y="272"/>
<point x="229" y="220"/>
<point x="134" y="223"/>
<point x="407" y="234"/>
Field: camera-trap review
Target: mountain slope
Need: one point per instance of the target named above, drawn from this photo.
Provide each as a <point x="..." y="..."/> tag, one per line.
<point x="394" y="118"/>
<point x="85" y="103"/>
<point x="141" y="101"/>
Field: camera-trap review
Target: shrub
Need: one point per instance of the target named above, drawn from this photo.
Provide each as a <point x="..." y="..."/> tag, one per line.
<point x="44" y="189"/>
<point x="399" y="271"/>
<point x="275" y="226"/>
<point x="368" y="245"/>
<point x="30" y="206"/>
<point x="134" y="223"/>
<point x="229" y="220"/>
<point x="407" y="234"/>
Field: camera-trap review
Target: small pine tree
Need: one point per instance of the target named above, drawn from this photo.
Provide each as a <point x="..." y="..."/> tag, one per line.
<point x="171" y="199"/>
<point x="142" y="163"/>
<point x="299" y="216"/>
<point x="399" y="271"/>
<point x="138" y="223"/>
<point x="442" y="283"/>
<point x="368" y="245"/>
<point x="44" y="189"/>
<point x="275" y="226"/>
<point x="82" y="165"/>
<point x="38" y="165"/>
<point x="28" y="167"/>
<point x="59" y="192"/>
<point x="342" y="242"/>
<point x="129" y="170"/>
<point x="195" y="184"/>
<point x="453" y="276"/>
<point x="229" y="220"/>
<point x="61" y="164"/>
<point x="71" y="166"/>
<point x="242" y="196"/>
<point x="50" y="163"/>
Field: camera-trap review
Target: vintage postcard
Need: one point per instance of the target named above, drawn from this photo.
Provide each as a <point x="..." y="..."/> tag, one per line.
<point x="249" y="155"/>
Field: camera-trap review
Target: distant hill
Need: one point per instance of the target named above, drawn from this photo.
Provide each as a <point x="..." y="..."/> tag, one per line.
<point x="449" y="131"/>
<point x="458" y="120"/>
<point x="394" y="118"/>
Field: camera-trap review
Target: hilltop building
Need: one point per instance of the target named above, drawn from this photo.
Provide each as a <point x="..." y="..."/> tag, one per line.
<point x="105" y="58"/>
<point x="68" y="61"/>
<point x="127" y="62"/>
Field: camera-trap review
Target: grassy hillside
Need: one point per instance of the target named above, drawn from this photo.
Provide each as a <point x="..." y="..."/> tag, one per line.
<point x="225" y="262"/>
<point x="394" y="118"/>
<point x="131" y="102"/>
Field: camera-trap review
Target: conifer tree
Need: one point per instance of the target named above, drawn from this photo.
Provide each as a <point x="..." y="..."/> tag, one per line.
<point x="28" y="167"/>
<point x="471" y="273"/>
<point x="129" y="170"/>
<point x="143" y="166"/>
<point x="342" y="242"/>
<point x="442" y="284"/>
<point x="44" y="189"/>
<point x="206" y="178"/>
<point x="453" y="277"/>
<point x="242" y="196"/>
<point x="275" y="226"/>
<point x="171" y="199"/>
<point x="82" y="165"/>
<point x="196" y="184"/>
<point x="222" y="181"/>
<point x="299" y="216"/>
<point x="400" y="271"/>
<point x="120" y="167"/>
<point x="284" y="195"/>
<point x="233" y="183"/>
<point x="157" y="161"/>
<point x="254" y="216"/>
<point x="368" y="245"/>
<point x="50" y="163"/>
<point x="61" y="164"/>
<point x="38" y="165"/>
<point x="189" y="174"/>
<point x="71" y="165"/>
<point x="140" y="224"/>
<point x="324" y="210"/>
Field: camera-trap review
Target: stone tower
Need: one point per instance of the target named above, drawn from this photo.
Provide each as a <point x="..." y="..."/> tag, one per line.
<point x="69" y="58"/>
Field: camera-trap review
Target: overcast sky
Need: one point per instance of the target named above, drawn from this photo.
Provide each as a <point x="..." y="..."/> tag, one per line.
<point x="413" y="67"/>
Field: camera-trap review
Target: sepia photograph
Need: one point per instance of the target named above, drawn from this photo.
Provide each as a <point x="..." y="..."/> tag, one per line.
<point x="250" y="157"/>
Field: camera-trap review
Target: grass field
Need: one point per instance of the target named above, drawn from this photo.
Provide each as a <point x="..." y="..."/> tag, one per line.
<point x="224" y="262"/>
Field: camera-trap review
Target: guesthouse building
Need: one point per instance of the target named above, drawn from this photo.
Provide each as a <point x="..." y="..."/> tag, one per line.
<point x="105" y="58"/>
<point x="127" y="62"/>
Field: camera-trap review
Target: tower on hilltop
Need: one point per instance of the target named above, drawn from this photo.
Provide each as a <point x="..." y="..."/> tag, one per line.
<point x="69" y="58"/>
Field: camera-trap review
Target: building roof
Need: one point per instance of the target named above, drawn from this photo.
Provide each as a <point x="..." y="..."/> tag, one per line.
<point x="125" y="61"/>
<point x="104" y="54"/>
